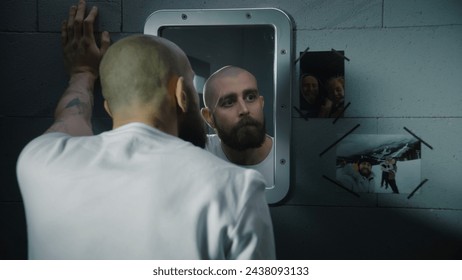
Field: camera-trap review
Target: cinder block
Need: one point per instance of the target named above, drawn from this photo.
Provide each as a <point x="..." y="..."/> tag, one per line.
<point x="18" y="16"/>
<point x="52" y="13"/>
<point x="135" y="13"/>
<point x="21" y="132"/>
<point x="441" y="161"/>
<point x="421" y="12"/>
<point x="396" y="72"/>
<point x="314" y="156"/>
<point x="306" y="14"/>
<point x="337" y="233"/>
<point x="335" y="14"/>
<point x="9" y="192"/>
<point x="13" y="236"/>
<point x="35" y="80"/>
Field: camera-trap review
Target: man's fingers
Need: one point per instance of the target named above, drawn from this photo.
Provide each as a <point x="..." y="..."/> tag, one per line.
<point x="64" y="33"/>
<point x="78" y="20"/>
<point x="70" y="22"/>
<point x="88" y="24"/>
<point x="105" y="42"/>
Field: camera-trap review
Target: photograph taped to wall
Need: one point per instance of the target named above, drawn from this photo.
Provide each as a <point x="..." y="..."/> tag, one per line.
<point x="371" y="163"/>
<point x="322" y="84"/>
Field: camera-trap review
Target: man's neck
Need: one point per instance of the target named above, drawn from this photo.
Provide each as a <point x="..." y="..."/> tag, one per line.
<point x="249" y="156"/>
<point x="170" y="128"/>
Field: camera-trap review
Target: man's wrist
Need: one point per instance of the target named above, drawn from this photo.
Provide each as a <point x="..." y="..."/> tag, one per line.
<point x="81" y="85"/>
<point x="86" y="79"/>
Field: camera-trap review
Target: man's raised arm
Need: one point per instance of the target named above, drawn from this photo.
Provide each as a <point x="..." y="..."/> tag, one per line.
<point x="82" y="57"/>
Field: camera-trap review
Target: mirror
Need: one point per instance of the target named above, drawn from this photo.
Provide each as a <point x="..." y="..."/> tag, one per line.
<point x="258" y="40"/>
<point x="244" y="46"/>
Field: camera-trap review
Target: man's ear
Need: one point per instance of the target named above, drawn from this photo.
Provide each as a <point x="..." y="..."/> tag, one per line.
<point x="180" y="94"/>
<point x="207" y="116"/>
<point x="106" y="107"/>
<point x="262" y="99"/>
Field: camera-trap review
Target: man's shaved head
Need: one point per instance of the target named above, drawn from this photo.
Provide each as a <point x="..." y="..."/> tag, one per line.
<point x="150" y="78"/>
<point x="211" y="87"/>
<point x="234" y="108"/>
<point x="137" y="69"/>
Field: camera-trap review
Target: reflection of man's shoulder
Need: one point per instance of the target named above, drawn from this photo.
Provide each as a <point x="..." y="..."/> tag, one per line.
<point x="213" y="145"/>
<point x="205" y="155"/>
<point x="213" y="140"/>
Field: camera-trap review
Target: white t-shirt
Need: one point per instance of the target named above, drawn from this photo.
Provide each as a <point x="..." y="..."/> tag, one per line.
<point x="266" y="167"/>
<point x="138" y="193"/>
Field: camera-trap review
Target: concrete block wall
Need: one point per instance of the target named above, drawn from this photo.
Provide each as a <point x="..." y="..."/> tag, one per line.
<point x="404" y="71"/>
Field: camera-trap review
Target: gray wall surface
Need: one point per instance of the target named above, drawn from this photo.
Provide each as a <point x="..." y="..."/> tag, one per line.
<point x="404" y="70"/>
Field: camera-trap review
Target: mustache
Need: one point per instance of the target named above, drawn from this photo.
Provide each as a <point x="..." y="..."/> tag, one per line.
<point x="246" y="121"/>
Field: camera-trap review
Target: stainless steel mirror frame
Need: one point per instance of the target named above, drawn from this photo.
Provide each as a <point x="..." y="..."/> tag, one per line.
<point x="283" y="59"/>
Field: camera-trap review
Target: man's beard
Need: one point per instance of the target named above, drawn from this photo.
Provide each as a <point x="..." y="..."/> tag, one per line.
<point x="247" y="134"/>
<point x="191" y="127"/>
<point x="365" y="172"/>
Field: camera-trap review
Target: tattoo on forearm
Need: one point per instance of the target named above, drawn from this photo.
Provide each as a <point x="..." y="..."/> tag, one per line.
<point x="75" y="103"/>
<point x="82" y="107"/>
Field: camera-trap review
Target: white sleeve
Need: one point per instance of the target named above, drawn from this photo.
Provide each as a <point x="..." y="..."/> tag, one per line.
<point x="253" y="237"/>
<point x="34" y="156"/>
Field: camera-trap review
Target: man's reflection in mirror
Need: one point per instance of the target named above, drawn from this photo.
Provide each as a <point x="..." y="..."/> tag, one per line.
<point x="234" y="110"/>
<point x="333" y="104"/>
<point x="310" y="93"/>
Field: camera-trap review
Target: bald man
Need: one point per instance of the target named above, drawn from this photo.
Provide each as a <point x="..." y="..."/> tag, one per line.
<point x="234" y="109"/>
<point x="143" y="190"/>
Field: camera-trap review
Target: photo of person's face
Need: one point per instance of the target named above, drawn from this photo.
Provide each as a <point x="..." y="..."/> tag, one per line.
<point x="365" y="168"/>
<point x="310" y="89"/>
<point x="338" y="93"/>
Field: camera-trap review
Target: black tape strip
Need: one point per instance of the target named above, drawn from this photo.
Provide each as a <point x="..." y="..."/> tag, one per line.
<point x="336" y="142"/>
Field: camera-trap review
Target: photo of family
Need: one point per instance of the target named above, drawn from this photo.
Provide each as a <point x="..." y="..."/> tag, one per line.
<point x="322" y="84"/>
<point x="370" y="163"/>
